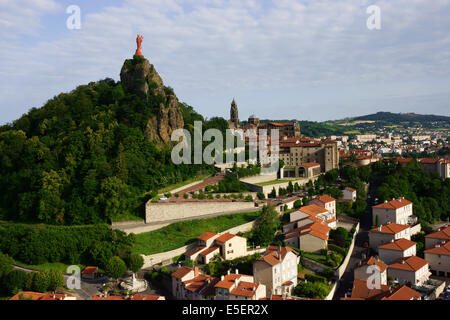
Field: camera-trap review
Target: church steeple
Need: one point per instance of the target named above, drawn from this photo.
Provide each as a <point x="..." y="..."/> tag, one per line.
<point x="234" y="122"/>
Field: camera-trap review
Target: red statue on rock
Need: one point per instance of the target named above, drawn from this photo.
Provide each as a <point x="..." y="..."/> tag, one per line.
<point x="139" y="45"/>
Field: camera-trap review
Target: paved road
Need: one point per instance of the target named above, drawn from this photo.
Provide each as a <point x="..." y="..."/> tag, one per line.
<point x="362" y="237"/>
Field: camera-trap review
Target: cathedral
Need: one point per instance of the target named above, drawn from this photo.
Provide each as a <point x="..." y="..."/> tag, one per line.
<point x="234" y="122"/>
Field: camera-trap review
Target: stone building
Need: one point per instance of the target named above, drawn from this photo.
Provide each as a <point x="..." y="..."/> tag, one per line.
<point x="234" y="122"/>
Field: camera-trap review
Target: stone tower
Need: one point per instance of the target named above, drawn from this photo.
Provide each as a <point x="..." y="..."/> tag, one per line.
<point x="234" y="122"/>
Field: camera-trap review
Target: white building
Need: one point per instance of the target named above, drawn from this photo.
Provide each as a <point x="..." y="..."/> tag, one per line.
<point x="400" y="248"/>
<point x="396" y="211"/>
<point x="413" y="270"/>
<point x="277" y="270"/>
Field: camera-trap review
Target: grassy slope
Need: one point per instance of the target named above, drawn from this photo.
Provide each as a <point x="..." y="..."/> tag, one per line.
<point x="182" y="233"/>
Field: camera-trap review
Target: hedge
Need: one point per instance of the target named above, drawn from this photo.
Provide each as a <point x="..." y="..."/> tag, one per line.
<point x="338" y="249"/>
<point x="315" y="278"/>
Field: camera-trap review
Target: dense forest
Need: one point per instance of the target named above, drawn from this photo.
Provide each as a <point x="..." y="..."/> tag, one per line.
<point x="428" y="192"/>
<point x="83" y="157"/>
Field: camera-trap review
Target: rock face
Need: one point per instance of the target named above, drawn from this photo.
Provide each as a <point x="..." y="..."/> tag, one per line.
<point x="139" y="75"/>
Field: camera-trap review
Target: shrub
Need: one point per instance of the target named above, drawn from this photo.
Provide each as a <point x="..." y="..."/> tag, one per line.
<point x="298" y="204"/>
<point x="41" y="281"/>
<point x="218" y="196"/>
<point x="323" y="252"/>
<point x="328" y="273"/>
<point x="260" y="196"/>
<point x="115" y="268"/>
<point x="177" y="195"/>
<point x="337" y="249"/>
<point x="249" y="198"/>
<point x="315" y="278"/>
<point x="14" y="281"/>
<point x="185" y="196"/>
<point x="313" y="290"/>
<point x="55" y="280"/>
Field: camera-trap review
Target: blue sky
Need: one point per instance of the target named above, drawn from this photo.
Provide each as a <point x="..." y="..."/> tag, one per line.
<point x="281" y="59"/>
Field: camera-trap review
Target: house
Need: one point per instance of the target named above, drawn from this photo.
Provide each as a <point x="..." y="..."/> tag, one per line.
<point x="311" y="237"/>
<point x="89" y="273"/>
<point x="440" y="235"/>
<point x="209" y="244"/>
<point x="413" y="270"/>
<point x="349" y="194"/>
<point x="400" y="248"/>
<point x="386" y="233"/>
<point x="438" y="257"/>
<point x="360" y="291"/>
<point x="362" y="271"/>
<point x="200" y="287"/>
<point x="231" y="246"/>
<point x="30" y="295"/>
<point x="179" y="277"/>
<point x="327" y="202"/>
<point x="277" y="270"/>
<point x="316" y="211"/>
<point x="239" y="287"/>
<point x="403" y="293"/>
<point x="397" y="211"/>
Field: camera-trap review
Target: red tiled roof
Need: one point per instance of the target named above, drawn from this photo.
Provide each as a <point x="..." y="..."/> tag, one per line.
<point x="39" y="296"/>
<point x="310" y="164"/>
<point x="325" y="198"/>
<point x="398" y="245"/>
<point x="144" y="297"/>
<point x="313" y="209"/>
<point x="391" y="228"/>
<point x="274" y="255"/>
<point x="90" y="270"/>
<point x="225" y="237"/>
<point x="206" y="236"/>
<point x="198" y="283"/>
<point x="412" y="263"/>
<point x="394" y="204"/>
<point x="181" y="272"/>
<point x="372" y="261"/>
<point x="404" y="160"/>
<point x="209" y="250"/>
<point x="98" y="297"/>
<point x="440" y="249"/>
<point x="429" y="160"/>
<point x="246" y="289"/>
<point x="350" y="189"/>
<point x="228" y="281"/>
<point x="443" y="234"/>
<point x="403" y="293"/>
<point x="361" y="290"/>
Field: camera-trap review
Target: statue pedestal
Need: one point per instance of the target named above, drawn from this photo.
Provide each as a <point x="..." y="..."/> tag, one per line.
<point x="134" y="285"/>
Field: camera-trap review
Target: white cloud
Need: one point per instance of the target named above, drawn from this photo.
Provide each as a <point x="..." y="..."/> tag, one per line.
<point x="278" y="55"/>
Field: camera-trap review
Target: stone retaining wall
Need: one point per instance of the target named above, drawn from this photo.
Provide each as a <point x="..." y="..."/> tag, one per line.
<point x="340" y="271"/>
<point x="169" y="211"/>
<point x="158" y="258"/>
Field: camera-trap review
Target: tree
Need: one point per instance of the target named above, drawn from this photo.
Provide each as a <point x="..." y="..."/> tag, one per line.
<point x="273" y="194"/>
<point x="6" y="264"/>
<point x="115" y="268"/>
<point x="267" y="225"/>
<point x="135" y="262"/>
<point x="55" y="279"/>
<point x="290" y="187"/>
<point x="41" y="281"/>
<point x="260" y="195"/>
<point x="298" y="204"/>
<point x="14" y="281"/>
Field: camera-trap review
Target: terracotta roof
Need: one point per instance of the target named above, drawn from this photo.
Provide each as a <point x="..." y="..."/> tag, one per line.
<point x="361" y="291"/>
<point x="209" y="250"/>
<point x="429" y="160"/>
<point x="313" y="209"/>
<point x="391" y="228"/>
<point x="198" y="283"/>
<point x="404" y="160"/>
<point x="194" y="250"/>
<point x="325" y="198"/>
<point x="274" y="256"/>
<point x="181" y="272"/>
<point x="310" y="164"/>
<point x="398" y="245"/>
<point x="144" y="297"/>
<point x="372" y="261"/>
<point x="393" y="204"/>
<point x="225" y="237"/>
<point x="312" y="218"/>
<point x="443" y="234"/>
<point x="350" y="189"/>
<point x="206" y="236"/>
<point x="39" y="296"/>
<point x="440" y="249"/>
<point x="246" y="289"/>
<point x="412" y="263"/>
<point x="90" y="270"/>
<point x="404" y="293"/>
<point x="228" y="281"/>
<point x="287" y="283"/>
<point x="319" y="230"/>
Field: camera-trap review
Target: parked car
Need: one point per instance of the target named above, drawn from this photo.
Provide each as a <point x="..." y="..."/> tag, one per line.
<point x="163" y="198"/>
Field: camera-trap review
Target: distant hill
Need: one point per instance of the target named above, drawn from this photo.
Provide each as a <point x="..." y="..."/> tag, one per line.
<point x="402" y="117"/>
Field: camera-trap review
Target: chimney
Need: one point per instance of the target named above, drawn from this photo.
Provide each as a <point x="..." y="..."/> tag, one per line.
<point x="236" y="282"/>
<point x="379" y="228"/>
<point x="403" y="261"/>
<point x="228" y="272"/>
<point x="222" y="278"/>
<point x="392" y="240"/>
<point x="196" y="272"/>
<point x="237" y="271"/>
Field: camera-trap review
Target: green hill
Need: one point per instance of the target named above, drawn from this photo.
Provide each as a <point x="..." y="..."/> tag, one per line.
<point x="90" y="155"/>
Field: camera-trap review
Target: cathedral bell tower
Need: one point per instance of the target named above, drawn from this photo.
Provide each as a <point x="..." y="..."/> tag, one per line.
<point x="234" y="122"/>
